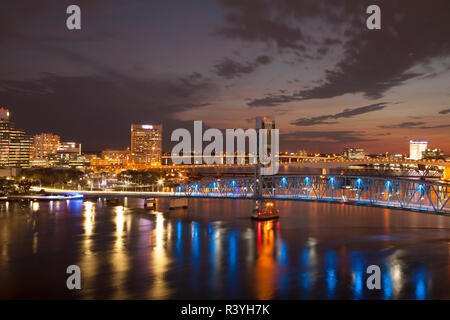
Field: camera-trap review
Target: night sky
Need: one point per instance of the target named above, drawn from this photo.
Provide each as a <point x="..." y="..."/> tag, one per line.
<point x="312" y="65"/>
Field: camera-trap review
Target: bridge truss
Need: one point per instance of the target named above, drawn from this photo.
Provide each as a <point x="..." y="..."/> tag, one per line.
<point x="375" y="191"/>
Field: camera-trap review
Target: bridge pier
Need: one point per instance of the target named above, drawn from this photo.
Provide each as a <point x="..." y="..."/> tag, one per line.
<point x="150" y="203"/>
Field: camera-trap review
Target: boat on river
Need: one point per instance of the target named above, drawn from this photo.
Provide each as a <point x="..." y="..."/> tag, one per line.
<point x="267" y="211"/>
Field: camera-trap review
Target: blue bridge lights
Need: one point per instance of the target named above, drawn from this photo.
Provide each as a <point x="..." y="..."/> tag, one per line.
<point x="374" y="191"/>
<point x="307" y="181"/>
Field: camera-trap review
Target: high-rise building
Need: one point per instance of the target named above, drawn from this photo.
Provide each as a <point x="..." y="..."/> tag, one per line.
<point x="266" y="147"/>
<point x="434" y="154"/>
<point x="146" y="143"/>
<point x="116" y="156"/>
<point x="353" y="153"/>
<point x="416" y="148"/>
<point x="45" y="144"/>
<point x="15" y="144"/>
<point x="263" y="123"/>
<point x="69" y="147"/>
<point x="68" y="155"/>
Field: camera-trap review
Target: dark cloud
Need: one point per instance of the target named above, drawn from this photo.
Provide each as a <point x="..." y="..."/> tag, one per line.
<point x="257" y="21"/>
<point x="229" y="68"/>
<point x="331" y="41"/>
<point x="407" y="124"/>
<point x="92" y="93"/>
<point x="445" y="111"/>
<point x="345" y="136"/>
<point x="347" y="113"/>
<point x="415" y="125"/>
<point x="322" y="51"/>
<point x="97" y="110"/>
<point x="435" y="127"/>
<point x="279" y="22"/>
<point x="384" y="134"/>
<point x="373" y="61"/>
<point x="329" y="141"/>
<point x="272" y="100"/>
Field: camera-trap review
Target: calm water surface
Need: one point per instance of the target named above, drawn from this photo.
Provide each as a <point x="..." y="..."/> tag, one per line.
<point x="213" y="250"/>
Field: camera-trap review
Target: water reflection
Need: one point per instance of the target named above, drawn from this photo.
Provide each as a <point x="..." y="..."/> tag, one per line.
<point x="35" y="243"/>
<point x="308" y="265"/>
<point x="420" y="279"/>
<point x="331" y="277"/>
<point x="282" y="260"/>
<point x="209" y="251"/>
<point x="195" y="243"/>
<point x="35" y="206"/>
<point x="215" y="255"/>
<point x="305" y="275"/>
<point x="88" y="261"/>
<point x="394" y="265"/>
<point x="119" y="256"/>
<point x="89" y="216"/>
<point x="178" y="240"/>
<point x="159" y="261"/>
<point x="195" y="256"/>
<point x="232" y="262"/>
<point x="264" y="269"/>
<point x="358" y="272"/>
<point x="386" y="283"/>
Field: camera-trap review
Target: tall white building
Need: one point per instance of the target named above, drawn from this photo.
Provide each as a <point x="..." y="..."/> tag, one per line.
<point x="416" y="148"/>
<point x="15" y="144"/>
<point x="45" y="144"/>
<point x="146" y="143"/>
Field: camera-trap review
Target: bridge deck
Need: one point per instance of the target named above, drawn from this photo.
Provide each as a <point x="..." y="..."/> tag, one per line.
<point x="406" y="194"/>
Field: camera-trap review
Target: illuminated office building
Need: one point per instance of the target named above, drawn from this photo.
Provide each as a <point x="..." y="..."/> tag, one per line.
<point x="416" y="149"/>
<point x="433" y="154"/>
<point x="15" y="144"/>
<point x="45" y="144"/>
<point x="146" y="143"/>
<point x="69" y="147"/>
<point x="68" y="155"/>
<point x="353" y="153"/>
<point x="116" y="157"/>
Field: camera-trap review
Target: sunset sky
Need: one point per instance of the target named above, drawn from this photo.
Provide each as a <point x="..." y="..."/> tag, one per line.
<point x="311" y="65"/>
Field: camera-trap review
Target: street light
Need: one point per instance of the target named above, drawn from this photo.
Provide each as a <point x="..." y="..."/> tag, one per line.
<point x="160" y="182"/>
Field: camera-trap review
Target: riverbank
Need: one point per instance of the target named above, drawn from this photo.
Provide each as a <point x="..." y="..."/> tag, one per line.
<point x="41" y="197"/>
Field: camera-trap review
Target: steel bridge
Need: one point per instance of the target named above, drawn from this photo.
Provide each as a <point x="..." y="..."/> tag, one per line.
<point x="418" y="195"/>
<point x="408" y="194"/>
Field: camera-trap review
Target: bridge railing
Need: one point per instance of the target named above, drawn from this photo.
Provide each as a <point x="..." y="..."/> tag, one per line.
<point x="378" y="191"/>
<point x="239" y="187"/>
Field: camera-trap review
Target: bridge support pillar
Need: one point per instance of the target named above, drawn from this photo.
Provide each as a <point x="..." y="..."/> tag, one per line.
<point x="324" y="171"/>
<point x="176" y="203"/>
<point x="446" y="174"/>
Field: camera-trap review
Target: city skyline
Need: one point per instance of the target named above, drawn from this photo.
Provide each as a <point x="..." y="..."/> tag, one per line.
<point x="326" y="80"/>
<point x="158" y="128"/>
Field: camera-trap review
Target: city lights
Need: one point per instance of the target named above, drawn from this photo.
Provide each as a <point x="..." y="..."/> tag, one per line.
<point x="234" y="157"/>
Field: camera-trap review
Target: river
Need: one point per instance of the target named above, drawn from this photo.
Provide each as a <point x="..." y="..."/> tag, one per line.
<point x="212" y="250"/>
